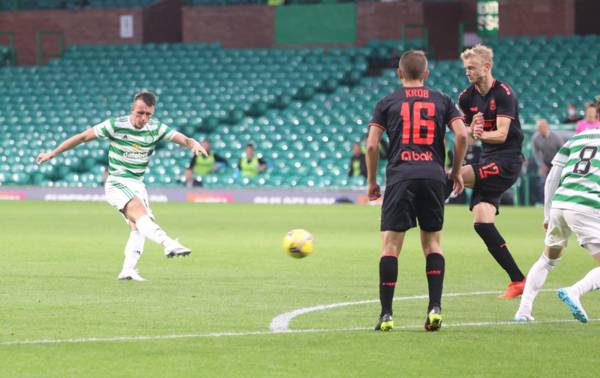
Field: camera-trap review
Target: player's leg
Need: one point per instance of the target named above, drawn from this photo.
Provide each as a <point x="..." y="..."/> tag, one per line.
<point x="586" y="228"/>
<point x="397" y="216"/>
<point x="492" y="179"/>
<point x="556" y="240"/>
<point x="591" y="281"/>
<point x="136" y="211"/>
<point x="536" y="278"/>
<point x="388" y="275"/>
<point x="133" y="251"/>
<point x="435" y="266"/>
<point x="468" y="176"/>
<point x="430" y="214"/>
<point x="484" y="215"/>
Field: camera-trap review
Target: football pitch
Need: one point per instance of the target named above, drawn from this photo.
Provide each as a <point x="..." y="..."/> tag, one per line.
<point x="64" y="313"/>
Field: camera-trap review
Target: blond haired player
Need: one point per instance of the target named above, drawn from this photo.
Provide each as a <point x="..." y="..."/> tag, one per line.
<point x="491" y="109"/>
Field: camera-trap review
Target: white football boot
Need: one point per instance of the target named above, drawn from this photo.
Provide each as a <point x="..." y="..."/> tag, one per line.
<point x="130" y="274"/>
<point x="176" y="249"/>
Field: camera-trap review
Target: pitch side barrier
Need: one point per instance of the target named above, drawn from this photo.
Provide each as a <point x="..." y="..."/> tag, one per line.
<point x="158" y="194"/>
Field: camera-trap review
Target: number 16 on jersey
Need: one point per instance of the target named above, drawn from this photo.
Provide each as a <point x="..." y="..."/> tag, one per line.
<point x="416" y="126"/>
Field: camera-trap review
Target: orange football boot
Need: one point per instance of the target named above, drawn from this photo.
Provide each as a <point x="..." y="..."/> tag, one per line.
<point x="513" y="290"/>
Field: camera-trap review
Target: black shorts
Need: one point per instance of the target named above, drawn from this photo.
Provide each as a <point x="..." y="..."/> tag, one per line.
<point x="493" y="177"/>
<point x="406" y="201"/>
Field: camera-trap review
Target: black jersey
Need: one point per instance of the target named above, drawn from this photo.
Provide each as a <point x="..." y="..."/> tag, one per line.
<point x="415" y="120"/>
<point x="500" y="101"/>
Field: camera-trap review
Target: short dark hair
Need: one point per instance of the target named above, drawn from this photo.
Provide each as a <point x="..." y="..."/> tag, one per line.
<point x="148" y="97"/>
<point x="250" y="145"/>
<point x="413" y="64"/>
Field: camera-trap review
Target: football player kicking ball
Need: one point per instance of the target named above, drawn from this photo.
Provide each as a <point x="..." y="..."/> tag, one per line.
<point x="132" y="139"/>
<point x="572" y="204"/>
<point x="491" y="111"/>
<point x="415" y="119"/>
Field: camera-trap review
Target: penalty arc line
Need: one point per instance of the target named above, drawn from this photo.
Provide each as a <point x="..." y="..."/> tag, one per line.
<point x="281" y="323"/>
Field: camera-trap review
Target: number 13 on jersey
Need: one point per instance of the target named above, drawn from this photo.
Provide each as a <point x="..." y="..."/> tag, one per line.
<point x="417" y="126"/>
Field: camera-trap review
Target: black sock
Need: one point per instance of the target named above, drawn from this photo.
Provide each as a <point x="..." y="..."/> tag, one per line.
<point x="497" y="247"/>
<point x="434" y="268"/>
<point x="388" y="274"/>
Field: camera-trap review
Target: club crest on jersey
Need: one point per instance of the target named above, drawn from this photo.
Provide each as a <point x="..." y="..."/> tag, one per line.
<point x="493" y="105"/>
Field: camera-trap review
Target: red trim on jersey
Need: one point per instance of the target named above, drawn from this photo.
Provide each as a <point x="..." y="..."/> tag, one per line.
<point x="504" y="116"/>
<point x="376" y="125"/>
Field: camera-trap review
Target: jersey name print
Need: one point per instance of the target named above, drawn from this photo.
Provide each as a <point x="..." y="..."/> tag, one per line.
<point x="415" y="121"/>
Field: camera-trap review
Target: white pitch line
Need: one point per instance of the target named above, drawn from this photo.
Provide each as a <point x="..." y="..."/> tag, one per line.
<point x="266" y="333"/>
<point x="281" y="323"/>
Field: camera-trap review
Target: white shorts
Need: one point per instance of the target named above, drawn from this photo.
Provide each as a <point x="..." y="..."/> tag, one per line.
<point x="119" y="191"/>
<point x="565" y="222"/>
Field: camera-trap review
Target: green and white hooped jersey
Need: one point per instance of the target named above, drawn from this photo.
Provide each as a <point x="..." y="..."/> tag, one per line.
<point x="130" y="149"/>
<point x="579" y="187"/>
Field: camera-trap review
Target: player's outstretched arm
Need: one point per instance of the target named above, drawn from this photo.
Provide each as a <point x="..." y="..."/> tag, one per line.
<point x="190" y="143"/>
<point x="372" y="158"/>
<point x="68" y="144"/>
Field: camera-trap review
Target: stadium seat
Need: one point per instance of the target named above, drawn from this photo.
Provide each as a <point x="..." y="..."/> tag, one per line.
<point x="303" y="108"/>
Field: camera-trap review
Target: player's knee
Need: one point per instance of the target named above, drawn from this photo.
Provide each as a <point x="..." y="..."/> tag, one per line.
<point x="431" y="245"/>
<point x="134" y="209"/>
<point x="552" y="252"/>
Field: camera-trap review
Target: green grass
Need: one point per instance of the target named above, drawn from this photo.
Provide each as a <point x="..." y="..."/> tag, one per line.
<point x="59" y="263"/>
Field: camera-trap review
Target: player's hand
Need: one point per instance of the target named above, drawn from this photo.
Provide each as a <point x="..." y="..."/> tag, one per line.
<point x="545" y="226"/>
<point x="44" y="157"/>
<point x="477" y="125"/>
<point x="373" y="191"/>
<point x="198" y="149"/>
<point x="458" y="184"/>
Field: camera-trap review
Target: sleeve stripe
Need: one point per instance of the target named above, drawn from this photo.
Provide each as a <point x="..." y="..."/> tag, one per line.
<point x="455" y="118"/>
<point x="504" y="116"/>
<point x="376" y="125"/>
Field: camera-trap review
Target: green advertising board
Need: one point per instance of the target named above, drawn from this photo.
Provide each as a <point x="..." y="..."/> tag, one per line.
<point x="488" y="19"/>
<point x="315" y="24"/>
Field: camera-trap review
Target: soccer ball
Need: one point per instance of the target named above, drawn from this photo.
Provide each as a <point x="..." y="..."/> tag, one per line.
<point x="298" y="243"/>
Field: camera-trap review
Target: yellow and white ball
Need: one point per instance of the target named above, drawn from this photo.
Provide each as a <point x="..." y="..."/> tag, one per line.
<point x="298" y="243"/>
